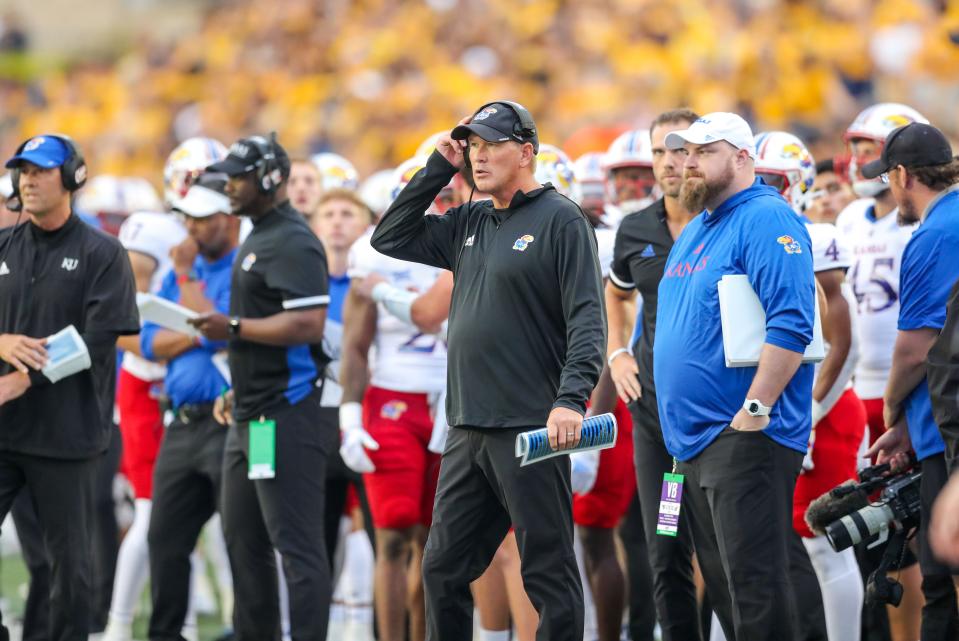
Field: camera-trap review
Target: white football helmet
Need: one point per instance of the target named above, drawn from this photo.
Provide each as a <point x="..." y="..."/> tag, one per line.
<point x="632" y="148"/>
<point x="876" y="123"/>
<point x="427" y="146"/>
<point x="590" y="176"/>
<point x="377" y="191"/>
<point x="139" y="195"/>
<point x="404" y="173"/>
<point x="186" y="162"/>
<point x="336" y="172"/>
<point x="787" y="165"/>
<point x="554" y="166"/>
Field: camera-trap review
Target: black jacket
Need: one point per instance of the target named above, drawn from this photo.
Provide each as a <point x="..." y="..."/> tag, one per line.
<point x="76" y="276"/>
<point x="527" y="328"/>
<point x="642" y="244"/>
<point x="942" y="376"/>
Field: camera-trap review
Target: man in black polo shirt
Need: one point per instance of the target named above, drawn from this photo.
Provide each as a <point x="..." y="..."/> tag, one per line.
<point x="275" y="460"/>
<point x="56" y="271"/>
<point x="526" y="336"/>
<point x="643" y="241"/>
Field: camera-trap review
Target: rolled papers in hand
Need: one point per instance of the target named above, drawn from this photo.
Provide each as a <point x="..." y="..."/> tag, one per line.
<point x="598" y="433"/>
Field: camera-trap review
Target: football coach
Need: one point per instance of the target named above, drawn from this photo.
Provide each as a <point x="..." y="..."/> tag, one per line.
<point x="527" y="334"/>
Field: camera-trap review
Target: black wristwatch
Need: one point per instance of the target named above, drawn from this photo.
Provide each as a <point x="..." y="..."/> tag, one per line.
<point x="235" y="326"/>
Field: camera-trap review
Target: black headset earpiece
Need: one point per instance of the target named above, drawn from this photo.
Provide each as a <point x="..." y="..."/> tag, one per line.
<point x="73" y="171"/>
<point x="268" y="175"/>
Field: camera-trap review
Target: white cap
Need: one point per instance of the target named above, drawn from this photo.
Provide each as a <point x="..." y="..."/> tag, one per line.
<point x="719" y="125"/>
<point x="201" y="202"/>
<point x="205" y="197"/>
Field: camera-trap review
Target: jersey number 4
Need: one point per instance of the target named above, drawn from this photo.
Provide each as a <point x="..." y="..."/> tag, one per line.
<point x="420" y="343"/>
<point x="881" y="275"/>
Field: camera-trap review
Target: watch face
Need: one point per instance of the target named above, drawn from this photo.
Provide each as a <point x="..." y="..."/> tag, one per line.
<point x="753" y="408"/>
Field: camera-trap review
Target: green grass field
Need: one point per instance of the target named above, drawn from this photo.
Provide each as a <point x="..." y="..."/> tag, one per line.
<point x="14" y="581"/>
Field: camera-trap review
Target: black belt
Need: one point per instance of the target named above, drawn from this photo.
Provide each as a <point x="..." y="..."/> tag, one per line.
<point x="194" y="412"/>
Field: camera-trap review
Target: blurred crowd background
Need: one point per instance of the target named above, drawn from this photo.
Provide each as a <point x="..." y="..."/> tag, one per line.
<point x="370" y="79"/>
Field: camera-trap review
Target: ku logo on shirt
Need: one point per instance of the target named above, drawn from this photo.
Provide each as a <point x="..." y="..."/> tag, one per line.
<point x="523" y="242"/>
<point x="789" y="244"/>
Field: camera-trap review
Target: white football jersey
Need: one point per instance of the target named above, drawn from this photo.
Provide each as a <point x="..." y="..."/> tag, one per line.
<point x="153" y="234"/>
<point x="877" y="247"/>
<point x="605" y="241"/>
<point x="404" y="359"/>
<point x="831" y="251"/>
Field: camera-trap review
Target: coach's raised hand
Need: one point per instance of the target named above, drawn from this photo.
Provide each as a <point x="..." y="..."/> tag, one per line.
<point x="451" y="149"/>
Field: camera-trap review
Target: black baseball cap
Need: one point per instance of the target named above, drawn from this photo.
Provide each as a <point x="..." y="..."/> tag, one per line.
<point x="497" y="122"/>
<point x="913" y="145"/>
<point x="245" y="154"/>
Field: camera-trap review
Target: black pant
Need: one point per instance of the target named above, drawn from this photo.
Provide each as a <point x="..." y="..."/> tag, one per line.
<point x="940" y="619"/>
<point x="36" y="610"/>
<point x="482" y="490"/>
<point x="670" y="558"/>
<point x="104" y="532"/>
<point x="285" y="513"/>
<point x="739" y="494"/>
<point x="642" y="611"/>
<point x="61" y="492"/>
<point x="104" y="537"/>
<point x="186" y="490"/>
<point x="810" y="621"/>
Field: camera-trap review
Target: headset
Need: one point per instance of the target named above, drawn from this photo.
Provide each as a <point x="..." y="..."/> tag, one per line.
<point x="268" y="174"/>
<point x="73" y="171"/>
<point x="73" y="176"/>
<point x="525" y="128"/>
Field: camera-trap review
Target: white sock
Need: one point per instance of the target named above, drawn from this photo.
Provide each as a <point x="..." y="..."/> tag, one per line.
<point x="493" y="635"/>
<point x="195" y="569"/>
<point x="133" y="565"/>
<point x="215" y="547"/>
<point x="716" y="630"/>
<point x="590" y="624"/>
<point x="284" y="596"/>
<point x="356" y="581"/>
<point x="841" y="585"/>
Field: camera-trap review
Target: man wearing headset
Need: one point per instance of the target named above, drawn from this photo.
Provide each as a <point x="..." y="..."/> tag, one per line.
<point x="57" y="272"/>
<point x="527" y="333"/>
<point x="276" y="448"/>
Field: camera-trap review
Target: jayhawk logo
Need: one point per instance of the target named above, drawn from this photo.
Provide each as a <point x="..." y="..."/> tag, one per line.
<point x="393" y="410"/>
<point x="484" y="114"/>
<point x="789" y="244"/>
<point x="523" y="242"/>
<point x="894" y="121"/>
<point x="34" y="143"/>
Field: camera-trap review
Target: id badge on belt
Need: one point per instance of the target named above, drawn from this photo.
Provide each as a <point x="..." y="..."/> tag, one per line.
<point x="262" y="455"/>
<point x="670" y="502"/>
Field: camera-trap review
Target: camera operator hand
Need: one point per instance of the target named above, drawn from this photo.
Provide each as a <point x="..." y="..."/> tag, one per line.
<point x="944" y="527"/>
<point x="893" y="447"/>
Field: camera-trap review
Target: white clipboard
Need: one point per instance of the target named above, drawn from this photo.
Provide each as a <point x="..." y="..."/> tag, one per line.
<point x="166" y="314"/>
<point x="744" y="324"/>
<point x="67" y="354"/>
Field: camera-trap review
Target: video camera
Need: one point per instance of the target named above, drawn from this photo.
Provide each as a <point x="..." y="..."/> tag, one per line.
<point x="847" y="517"/>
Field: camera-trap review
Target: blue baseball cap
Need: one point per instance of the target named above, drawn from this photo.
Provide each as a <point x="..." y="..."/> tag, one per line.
<point x="42" y="151"/>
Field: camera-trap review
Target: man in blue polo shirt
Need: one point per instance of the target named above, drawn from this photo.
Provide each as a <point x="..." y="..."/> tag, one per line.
<point x="739" y="434"/>
<point x="918" y="165"/>
<point x="186" y="489"/>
